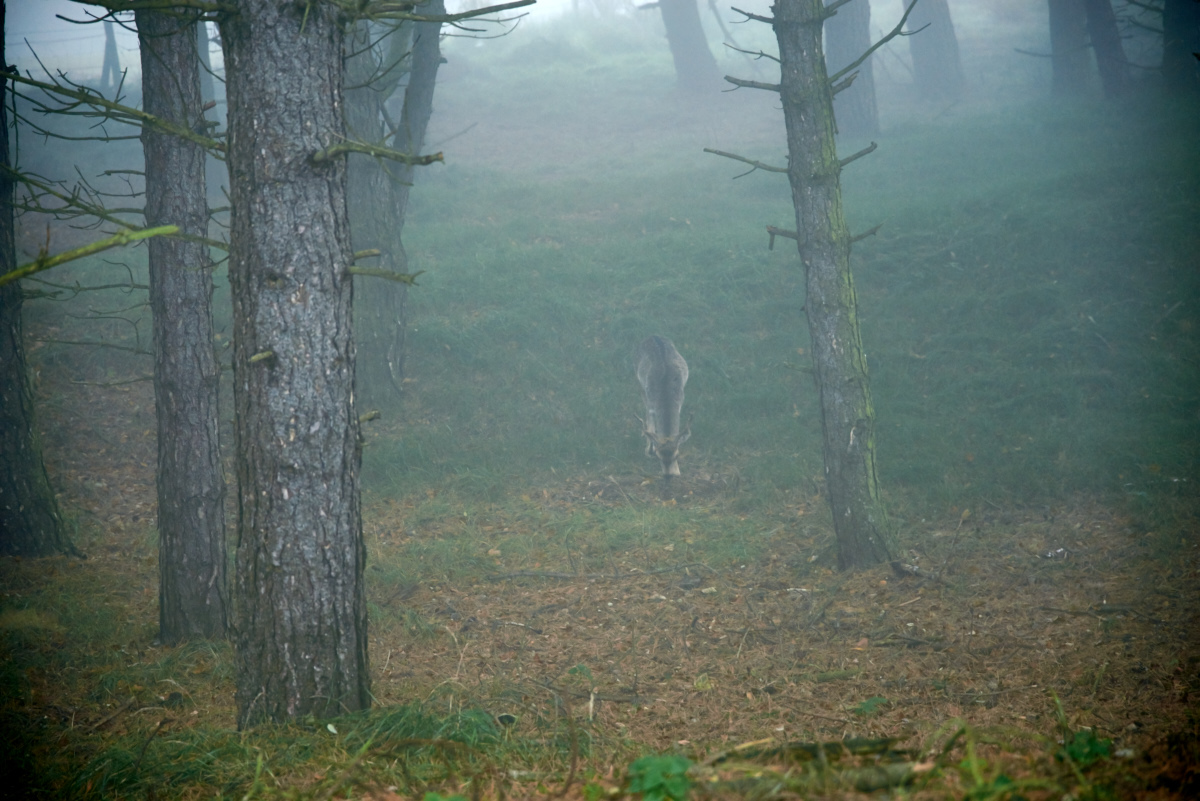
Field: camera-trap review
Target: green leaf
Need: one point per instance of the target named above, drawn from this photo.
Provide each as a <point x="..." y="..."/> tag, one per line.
<point x="870" y="706"/>
<point x="660" y="778"/>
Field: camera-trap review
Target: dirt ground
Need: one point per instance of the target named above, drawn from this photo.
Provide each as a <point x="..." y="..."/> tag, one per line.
<point x="993" y="615"/>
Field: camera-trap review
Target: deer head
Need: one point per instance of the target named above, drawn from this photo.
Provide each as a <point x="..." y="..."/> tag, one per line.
<point x="662" y="373"/>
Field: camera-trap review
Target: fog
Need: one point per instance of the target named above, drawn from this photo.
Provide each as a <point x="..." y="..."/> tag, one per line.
<point x="571" y="158"/>
<point x="1026" y="282"/>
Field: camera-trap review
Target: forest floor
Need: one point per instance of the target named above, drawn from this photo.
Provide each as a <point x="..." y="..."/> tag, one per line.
<point x="998" y="617"/>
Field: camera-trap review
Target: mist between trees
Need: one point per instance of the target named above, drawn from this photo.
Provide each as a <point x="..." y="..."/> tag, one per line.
<point x="425" y="243"/>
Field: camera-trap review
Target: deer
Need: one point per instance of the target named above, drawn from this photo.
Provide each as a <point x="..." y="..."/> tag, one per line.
<point x="662" y="372"/>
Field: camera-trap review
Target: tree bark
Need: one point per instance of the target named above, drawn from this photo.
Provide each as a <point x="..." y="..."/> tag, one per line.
<point x="30" y="524"/>
<point x="187" y="377"/>
<point x="847" y="417"/>
<point x="1106" y="43"/>
<point x="937" y="64"/>
<point x="695" y="67"/>
<point x="301" y="640"/>
<point x="1068" y="48"/>
<point x="847" y="37"/>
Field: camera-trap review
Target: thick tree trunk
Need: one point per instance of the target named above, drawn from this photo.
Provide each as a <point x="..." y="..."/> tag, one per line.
<point x="1068" y="48"/>
<point x="695" y="67"/>
<point x="847" y="37"/>
<point x="187" y="377"/>
<point x="936" y="61"/>
<point x="1181" y="43"/>
<point x="30" y="524"/>
<point x="301" y="638"/>
<point x="1106" y="43"/>
<point x="847" y="417"/>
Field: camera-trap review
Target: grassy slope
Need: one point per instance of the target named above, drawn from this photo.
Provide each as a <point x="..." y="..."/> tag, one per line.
<point x="1026" y="306"/>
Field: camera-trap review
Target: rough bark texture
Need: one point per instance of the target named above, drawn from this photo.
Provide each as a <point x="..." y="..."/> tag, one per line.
<point x="301" y="641"/>
<point x="193" y="590"/>
<point x="847" y="37"/>
<point x="1068" y="48"/>
<point x="1106" y="43"/>
<point x="847" y="418"/>
<point x="695" y="67"/>
<point x="29" y="521"/>
<point x="1181" y="42"/>
<point x="937" y="65"/>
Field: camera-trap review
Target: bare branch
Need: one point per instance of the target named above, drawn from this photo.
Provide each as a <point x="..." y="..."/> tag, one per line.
<point x="126" y="348"/>
<point x="378" y="151"/>
<point x="756" y="54"/>
<point x="831" y="9"/>
<point x="892" y="34"/>
<point x="390" y="275"/>
<point x="868" y="149"/>
<point x="174" y="7"/>
<point x="757" y="165"/>
<point x="111" y="110"/>
<point x="76" y="203"/>
<point x="402" y="11"/>
<point x="845" y="83"/>
<point x="45" y="261"/>
<point x="756" y="17"/>
<point x="77" y="288"/>
<point x="865" y="234"/>
<point x="370" y="253"/>
<point x="785" y="233"/>
<point x="771" y="87"/>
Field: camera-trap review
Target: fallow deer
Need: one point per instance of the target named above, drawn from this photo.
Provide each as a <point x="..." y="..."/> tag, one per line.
<point x="662" y="372"/>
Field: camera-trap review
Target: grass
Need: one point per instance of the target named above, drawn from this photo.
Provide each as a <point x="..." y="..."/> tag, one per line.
<point x="1029" y="312"/>
<point x="1026" y="315"/>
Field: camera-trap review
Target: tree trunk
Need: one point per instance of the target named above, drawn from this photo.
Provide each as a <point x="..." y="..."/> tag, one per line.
<point x="301" y="641"/>
<point x="847" y="417"/>
<point x="379" y="311"/>
<point x="847" y="37"/>
<point x="187" y="377"/>
<point x="30" y="524"/>
<point x="208" y="90"/>
<point x="1106" y="43"/>
<point x="695" y="67"/>
<point x="110" y="72"/>
<point x="379" y="203"/>
<point x="1068" y="48"/>
<point x="1181" y="42"/>
<point x="936" y="62"/>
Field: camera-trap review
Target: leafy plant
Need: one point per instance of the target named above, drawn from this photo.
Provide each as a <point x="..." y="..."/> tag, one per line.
<point x="870" y="706"/>
<point x="1080" y="748"/>
<point x="660" y="778"/>
<point x="1085" y="748"/>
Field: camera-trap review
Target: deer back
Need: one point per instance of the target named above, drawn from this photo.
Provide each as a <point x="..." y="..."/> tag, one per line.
<point x="662" y="373"/>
